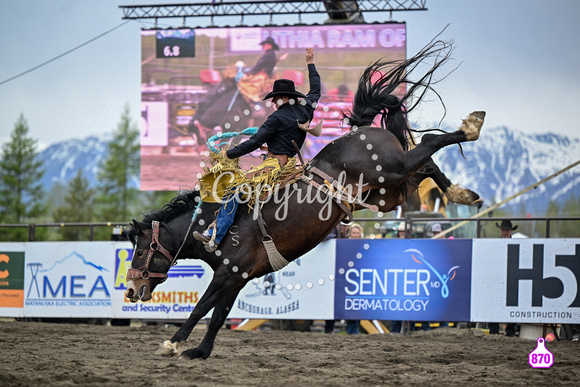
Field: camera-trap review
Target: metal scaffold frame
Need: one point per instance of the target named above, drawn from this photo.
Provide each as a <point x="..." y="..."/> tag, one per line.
<point x="338" y="11"/>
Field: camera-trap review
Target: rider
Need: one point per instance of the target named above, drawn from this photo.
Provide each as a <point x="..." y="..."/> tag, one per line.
<point x="280" y="129"/>
<point x="250" y="84"/>
<point x="268" y="60"/>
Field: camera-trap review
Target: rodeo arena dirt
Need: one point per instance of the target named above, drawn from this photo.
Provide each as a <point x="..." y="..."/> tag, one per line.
<point x="39" y="354"/>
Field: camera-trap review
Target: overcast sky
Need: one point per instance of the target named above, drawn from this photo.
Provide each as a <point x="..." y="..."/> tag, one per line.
<point x="520" y="63"/>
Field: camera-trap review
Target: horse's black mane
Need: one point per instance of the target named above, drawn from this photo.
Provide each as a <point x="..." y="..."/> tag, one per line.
<point x="184" y="202"/>
<point x="376" y="90"/>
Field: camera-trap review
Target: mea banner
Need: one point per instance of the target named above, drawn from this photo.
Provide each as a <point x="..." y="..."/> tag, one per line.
<point x="403" y="279"/>
<point x="68" y="279"/>
<point x="526" y="280"/>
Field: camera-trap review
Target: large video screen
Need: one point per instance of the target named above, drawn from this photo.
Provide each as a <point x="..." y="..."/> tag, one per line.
<point x="199" y="83"/>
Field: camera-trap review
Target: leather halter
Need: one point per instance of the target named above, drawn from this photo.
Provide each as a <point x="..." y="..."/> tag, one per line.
<point x="143" y="272"/>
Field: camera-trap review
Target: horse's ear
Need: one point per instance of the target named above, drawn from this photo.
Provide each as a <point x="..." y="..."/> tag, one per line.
<point x="137" y="227"/>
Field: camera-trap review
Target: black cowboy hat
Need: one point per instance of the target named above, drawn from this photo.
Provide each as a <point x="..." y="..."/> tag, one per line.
<point x="284" y="87"/>
<point x="506" y="225"/>
<point x="271" y="42"/>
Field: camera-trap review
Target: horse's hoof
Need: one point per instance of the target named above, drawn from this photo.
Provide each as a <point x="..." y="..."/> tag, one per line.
<point x="167" y="348"/>
<point x="460" y="195"/>
<point x="194" y="354"/>
<point x="471" y="125"/>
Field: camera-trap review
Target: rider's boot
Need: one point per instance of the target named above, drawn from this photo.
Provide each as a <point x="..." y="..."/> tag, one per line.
<point x="208" y="242"/>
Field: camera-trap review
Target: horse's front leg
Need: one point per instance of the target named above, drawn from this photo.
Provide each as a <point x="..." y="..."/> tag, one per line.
<point x="220" y="313"/>
<point x="209" y="300"/>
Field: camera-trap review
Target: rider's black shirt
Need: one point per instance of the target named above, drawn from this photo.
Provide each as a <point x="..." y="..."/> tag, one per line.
<point x="281" y="127"/>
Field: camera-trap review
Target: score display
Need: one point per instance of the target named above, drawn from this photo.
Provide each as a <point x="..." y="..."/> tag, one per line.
<point x="175" y="43"/>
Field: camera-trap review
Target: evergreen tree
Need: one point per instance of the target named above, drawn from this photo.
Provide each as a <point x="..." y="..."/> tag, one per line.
<point x="120" y="166"/>
<point x="21" y="193"/>
<point x="78" y="208"/>
<point x="571" y="228"/>
<point x="551" y="211"/>
<point x="525" y="227"/>
<point x="157" y="199"/>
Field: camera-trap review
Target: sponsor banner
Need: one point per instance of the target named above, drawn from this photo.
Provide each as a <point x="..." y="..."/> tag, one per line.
<point x="68" y="279"/>
<point x="403" y="279"/>
<point x="302" y="290"/>
<point x="11" y="279"/>
<point x="173" y="299"/>
<point x="526" y="280"/>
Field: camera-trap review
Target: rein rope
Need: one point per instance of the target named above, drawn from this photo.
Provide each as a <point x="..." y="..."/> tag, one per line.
<point x="216" y="140"/>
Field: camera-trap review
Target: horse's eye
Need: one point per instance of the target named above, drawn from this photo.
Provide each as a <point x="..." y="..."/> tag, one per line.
<point x="140" y="253"/>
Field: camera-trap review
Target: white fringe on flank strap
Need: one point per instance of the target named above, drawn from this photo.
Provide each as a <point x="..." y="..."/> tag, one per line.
<point x="277" y="261"/>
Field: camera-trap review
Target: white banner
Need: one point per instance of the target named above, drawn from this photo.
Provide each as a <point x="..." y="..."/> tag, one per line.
<point x="154" y="117"/>
<point x="174" y="299"/>
<point x="526" y="280"/>
<point x="302" y="290"/>
<point x="68" y="279"/>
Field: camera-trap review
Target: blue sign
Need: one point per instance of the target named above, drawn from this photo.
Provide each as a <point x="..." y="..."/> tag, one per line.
<point x="403" y="279"/>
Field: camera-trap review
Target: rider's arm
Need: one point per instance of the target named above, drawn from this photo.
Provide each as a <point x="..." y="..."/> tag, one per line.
<point x="313" y="77"/>
<point x="265" y="132"/>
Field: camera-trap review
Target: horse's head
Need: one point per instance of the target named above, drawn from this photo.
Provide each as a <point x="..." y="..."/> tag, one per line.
<point x="150" y="263"/>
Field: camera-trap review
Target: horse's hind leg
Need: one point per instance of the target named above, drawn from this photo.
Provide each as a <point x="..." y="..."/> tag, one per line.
<point x="399" y="166"/>
<point x="414" y="159"/>
<point x="454" y="192"/>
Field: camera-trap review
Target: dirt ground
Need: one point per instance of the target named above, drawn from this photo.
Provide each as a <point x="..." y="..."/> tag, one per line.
<point x="40" y="354"/>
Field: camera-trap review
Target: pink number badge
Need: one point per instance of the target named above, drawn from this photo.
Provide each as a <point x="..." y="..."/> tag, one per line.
<point x="541" y="357"/>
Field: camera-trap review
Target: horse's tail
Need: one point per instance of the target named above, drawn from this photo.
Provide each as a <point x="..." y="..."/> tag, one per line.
<point x="376" y="90"/>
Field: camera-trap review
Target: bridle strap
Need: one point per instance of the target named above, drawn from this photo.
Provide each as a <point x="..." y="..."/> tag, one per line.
<point x="143" y="271"/>
<point x="156" y="246"/>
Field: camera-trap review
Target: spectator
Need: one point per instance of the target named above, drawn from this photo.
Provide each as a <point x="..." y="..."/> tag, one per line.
<point x="353" y="326"/>
<point x="505" y="230"/>
<point x="341" y="231"/>
<point x="396" y="325"/>
<point x="401" y="230"/>
<point x="437" y="230"/>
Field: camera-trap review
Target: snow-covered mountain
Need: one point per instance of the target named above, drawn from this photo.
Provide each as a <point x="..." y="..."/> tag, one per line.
<point x="62" y="160"/>
<point x="501" y="163"/>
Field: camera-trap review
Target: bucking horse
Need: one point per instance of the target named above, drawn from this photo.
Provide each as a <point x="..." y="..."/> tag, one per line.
<point x="369" y="167"/>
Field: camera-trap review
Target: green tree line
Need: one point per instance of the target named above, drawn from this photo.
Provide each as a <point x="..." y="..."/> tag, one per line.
<point x="24" y="201"/>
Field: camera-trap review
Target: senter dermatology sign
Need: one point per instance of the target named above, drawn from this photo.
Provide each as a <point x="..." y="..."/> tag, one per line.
<point x="414" y="280"/>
